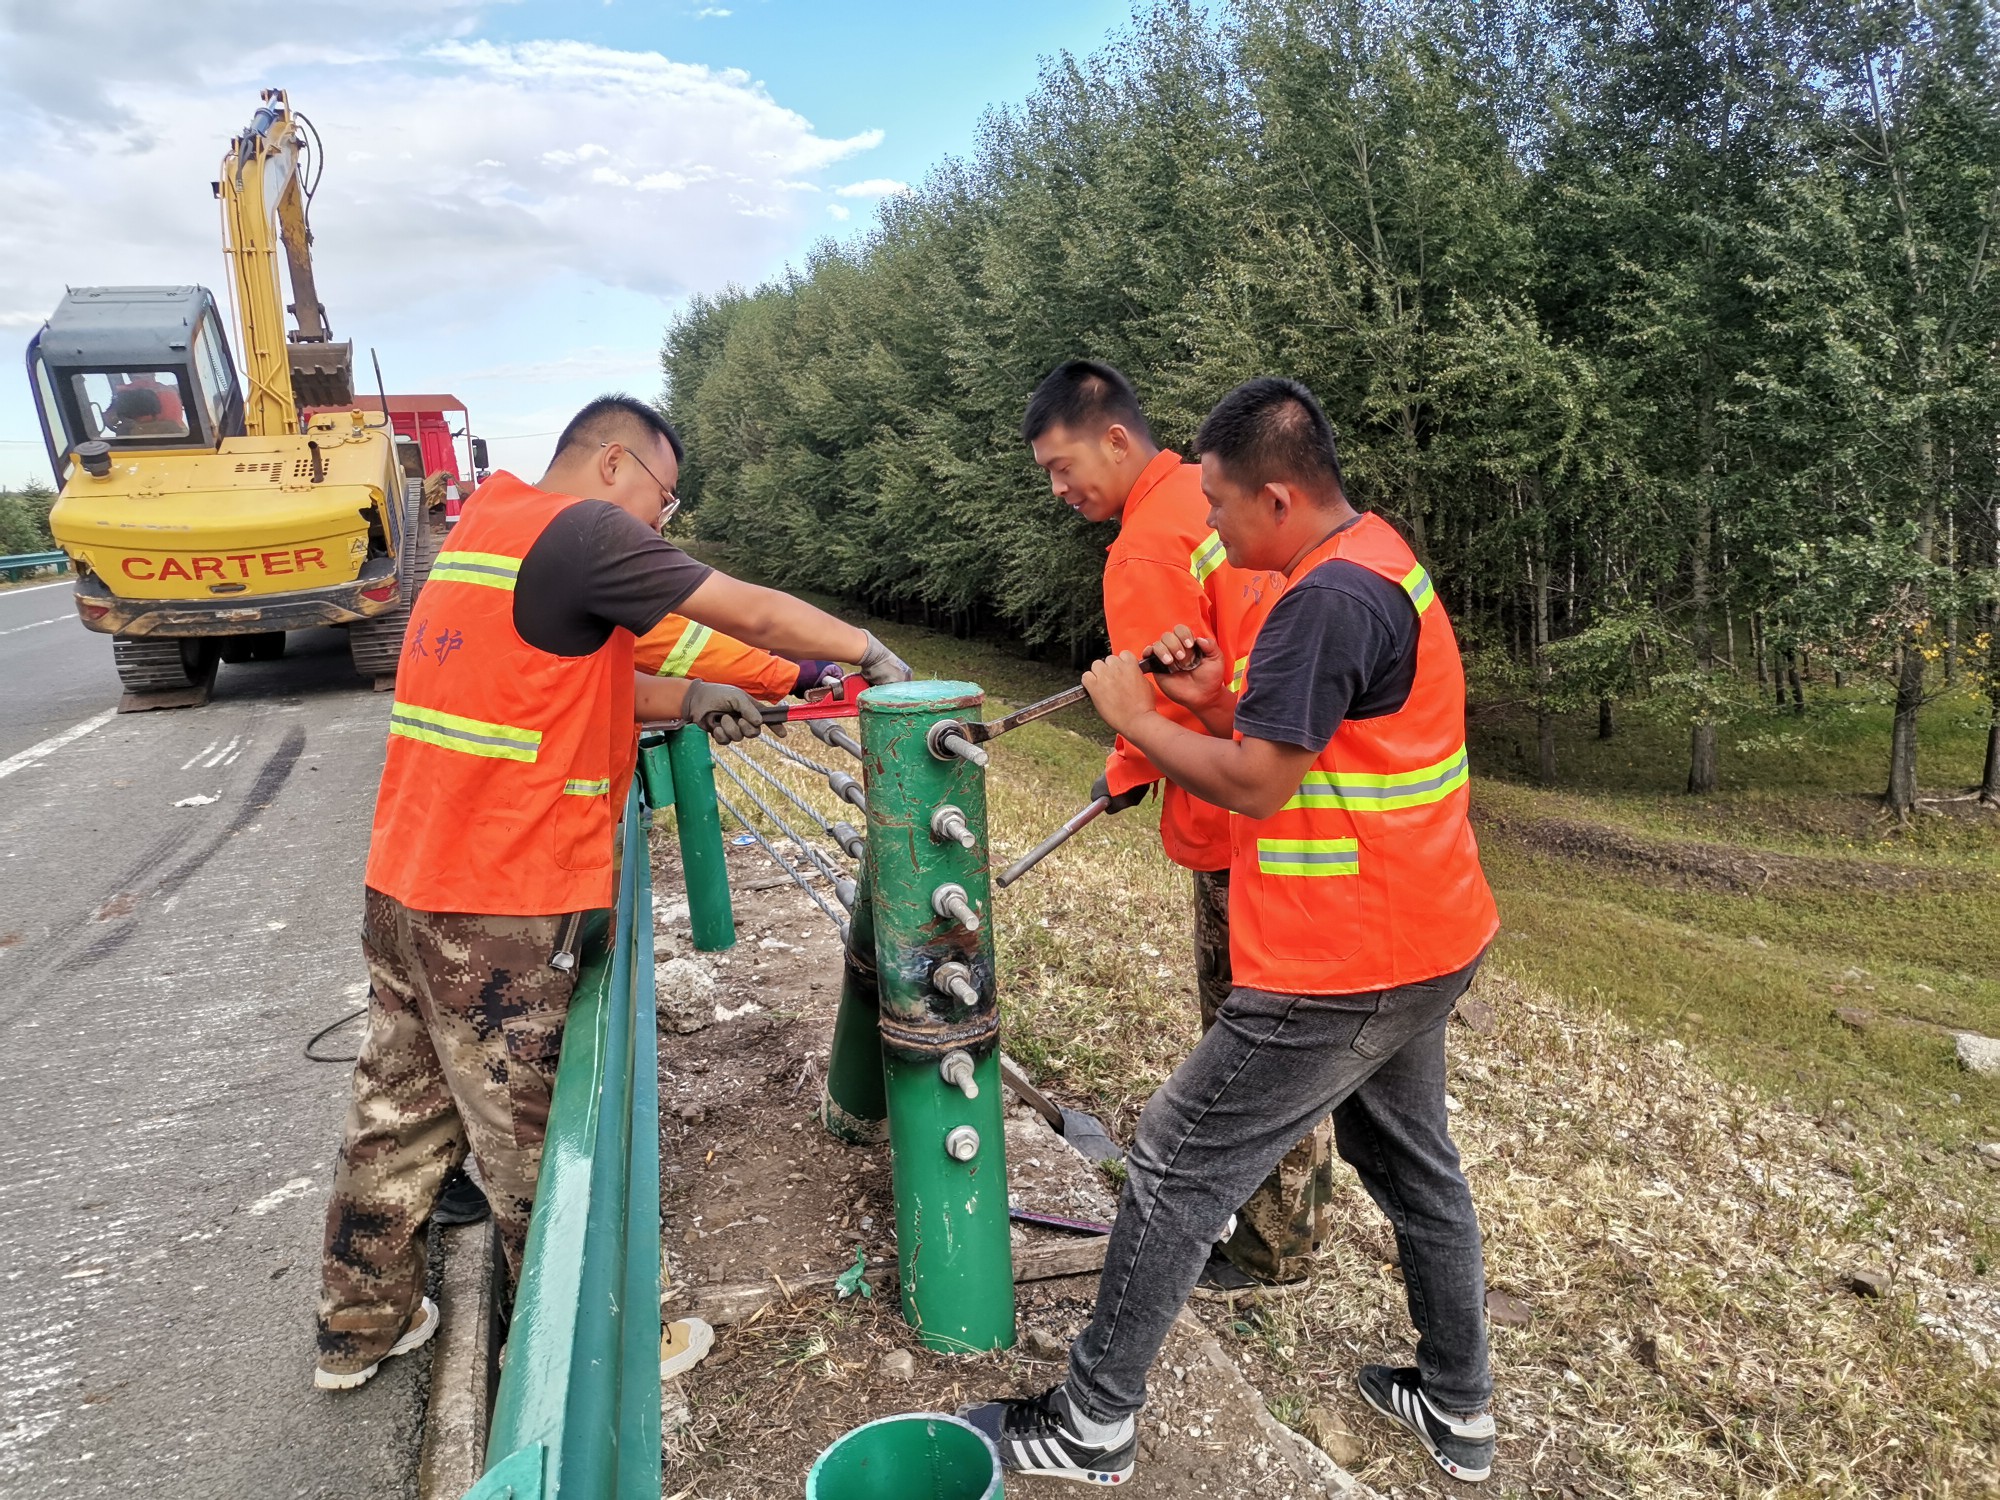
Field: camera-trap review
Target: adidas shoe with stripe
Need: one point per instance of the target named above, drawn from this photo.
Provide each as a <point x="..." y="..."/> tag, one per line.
<point x="1462" y="1447"/>
<point x="1036" y="1435"/>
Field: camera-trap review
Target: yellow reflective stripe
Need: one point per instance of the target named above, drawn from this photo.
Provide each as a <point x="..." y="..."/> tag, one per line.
<point x="1206" y="558"/>
<point x="493" y="570"/>
<point x="1308" y="856"/>
<point x="1357" y="791"/>
<point x="470" y="736"/>
<point x="681" y="659"/>
<point x="1417" y="584"/>
<point x="576" y="788"/>
<point x="1237" y="675"/>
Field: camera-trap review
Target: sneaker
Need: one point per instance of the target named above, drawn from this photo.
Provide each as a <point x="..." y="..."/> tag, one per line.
<point x="684" y="1343"/>
<point x="417" y="1334"/>
<point x="1462" y="1446"/>
<point x="1222" y="1280"/>
<point x="460" y="1201"/>
<point x="1034" y="1436"/>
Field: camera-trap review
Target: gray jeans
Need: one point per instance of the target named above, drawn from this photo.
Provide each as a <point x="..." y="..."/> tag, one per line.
<point x="1269" y="1069"/>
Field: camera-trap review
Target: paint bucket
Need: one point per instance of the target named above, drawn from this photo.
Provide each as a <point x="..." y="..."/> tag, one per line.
<point x="921" y="1456"/>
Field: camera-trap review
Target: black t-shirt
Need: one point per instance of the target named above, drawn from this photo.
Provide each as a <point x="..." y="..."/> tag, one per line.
<point x="1341" y="644"/>
<point x="594" y="568"/>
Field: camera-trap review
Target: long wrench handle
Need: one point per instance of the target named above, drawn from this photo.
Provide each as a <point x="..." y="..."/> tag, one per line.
<point x="1077" y="822"/>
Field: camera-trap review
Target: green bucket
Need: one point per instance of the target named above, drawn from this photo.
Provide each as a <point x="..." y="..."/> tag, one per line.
<point x="921" y="1456"/>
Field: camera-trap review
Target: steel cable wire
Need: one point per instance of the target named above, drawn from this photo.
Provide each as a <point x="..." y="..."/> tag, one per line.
<point x="798" y="878"/>
<point x="826" y="867"/>
<point x="849" y="843"/>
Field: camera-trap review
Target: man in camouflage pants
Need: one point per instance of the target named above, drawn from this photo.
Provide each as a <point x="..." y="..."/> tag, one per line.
<point x="1286" y="1219"/>
<point x="454" y="999"/>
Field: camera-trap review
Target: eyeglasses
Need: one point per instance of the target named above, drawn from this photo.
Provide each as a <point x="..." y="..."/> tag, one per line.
<point x="670" y="502"/>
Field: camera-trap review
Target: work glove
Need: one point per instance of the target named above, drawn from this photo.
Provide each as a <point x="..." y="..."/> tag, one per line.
<point x="879" y="664"/>
<point x="727" y="713"/>
<point x="1102" y="788"/>
<point x="817" y="674"/>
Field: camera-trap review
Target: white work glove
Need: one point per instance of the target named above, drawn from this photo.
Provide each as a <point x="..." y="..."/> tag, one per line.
<point x="728" y="714"/>
<point x="879" y="664"/>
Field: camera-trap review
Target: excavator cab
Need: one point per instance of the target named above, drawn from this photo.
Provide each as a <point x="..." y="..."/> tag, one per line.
<point x="133" y="368"/>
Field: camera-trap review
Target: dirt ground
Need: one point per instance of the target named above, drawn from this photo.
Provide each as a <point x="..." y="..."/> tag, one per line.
<point x="754" y="1191"/>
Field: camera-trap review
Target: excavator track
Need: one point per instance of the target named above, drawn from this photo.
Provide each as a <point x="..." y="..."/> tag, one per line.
<point x="377" y="644"/>
<point x="162" y="664"/>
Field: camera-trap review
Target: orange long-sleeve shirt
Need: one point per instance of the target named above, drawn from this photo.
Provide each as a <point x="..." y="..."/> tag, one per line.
<point x="677" y="647"/>
<point x="1166" y="568"/>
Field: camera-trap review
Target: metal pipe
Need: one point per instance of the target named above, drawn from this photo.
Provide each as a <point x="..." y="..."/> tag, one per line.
<point x="951" y="1208"/>
<point x="1077" y="822"/>
<point x="703" y="868"/>
<point x="852" y="1106"/>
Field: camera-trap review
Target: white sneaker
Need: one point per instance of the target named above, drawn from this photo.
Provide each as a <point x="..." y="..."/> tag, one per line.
<point x="417" y="1334"/>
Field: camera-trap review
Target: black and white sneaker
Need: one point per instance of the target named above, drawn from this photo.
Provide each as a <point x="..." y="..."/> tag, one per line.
<point x="1463" y="1448"/>
<point x="1035" y="1435"/>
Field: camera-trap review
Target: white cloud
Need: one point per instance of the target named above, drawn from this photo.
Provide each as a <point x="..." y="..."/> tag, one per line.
<point x="476" y="193"/>
<point x="874" y="187"/>
<point x="838" y="210"/>
<point x="712" y="13"/>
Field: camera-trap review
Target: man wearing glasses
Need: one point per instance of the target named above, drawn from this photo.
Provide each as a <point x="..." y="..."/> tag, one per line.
<point x="511" y="745"/>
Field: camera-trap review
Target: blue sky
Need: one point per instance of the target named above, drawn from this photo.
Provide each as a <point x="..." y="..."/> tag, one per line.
<point x="517" y="195"/>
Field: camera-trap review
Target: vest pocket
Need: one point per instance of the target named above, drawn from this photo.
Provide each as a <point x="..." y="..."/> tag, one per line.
<point x="1308" y="898"/>
<point x="583" y="824"/>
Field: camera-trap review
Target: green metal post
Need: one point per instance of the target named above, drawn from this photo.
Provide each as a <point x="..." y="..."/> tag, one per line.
<point x="853" y="1108"/>
<point x="702" y="866"/>
<point x="656" y="770"/>
<point x="940" y="1022"/>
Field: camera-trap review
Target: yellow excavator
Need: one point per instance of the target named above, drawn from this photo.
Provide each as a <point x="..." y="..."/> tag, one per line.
<point x="203" y="519"/>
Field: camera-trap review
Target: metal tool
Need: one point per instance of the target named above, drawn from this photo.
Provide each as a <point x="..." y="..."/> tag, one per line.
<point x="979" y="732"/>
<point x="1077" y="822"/>
<point x="1057" y="1221"/>
<point x="821" y="703"/>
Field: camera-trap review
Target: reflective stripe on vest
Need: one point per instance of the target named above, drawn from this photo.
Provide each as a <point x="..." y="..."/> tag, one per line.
<point x="1308" y="856"/>
<point x="576" y="788"/>
<point x="1206" y="558"/>
<point x="1237" y="675"/>
<point x="681" y="659"/>
<point x="493" y="570"/>
<point x="470" y="736"/>
<point x="1358" y="791"/>
<point x="1417" y="584"/>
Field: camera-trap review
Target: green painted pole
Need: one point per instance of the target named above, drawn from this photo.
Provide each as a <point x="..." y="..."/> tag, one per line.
<point x="703" y="869"/>
<point x="852" y="1107"/>
<point x="940" y="1021"/>
<point x="656" y="771"/>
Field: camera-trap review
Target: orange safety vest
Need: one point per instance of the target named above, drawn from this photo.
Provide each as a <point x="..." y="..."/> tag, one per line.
<point x="507" y="766"/>
<point x="1369" y="876"/>
<point x="678" y="647"/>
<point x="1167" y="568"/>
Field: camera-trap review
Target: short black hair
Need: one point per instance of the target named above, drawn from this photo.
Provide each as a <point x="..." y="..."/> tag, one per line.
<point x="1085" y="396"/>
<point x="1273" y="430"/>
<point x="612" y="419"/>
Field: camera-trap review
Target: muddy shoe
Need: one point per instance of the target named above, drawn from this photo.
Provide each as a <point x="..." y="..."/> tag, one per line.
<point x="1461" y="1446"/>
<point x="1038" y="1435"/>
<point x="422" y="1326"/>
<point x="460" y="1201"/>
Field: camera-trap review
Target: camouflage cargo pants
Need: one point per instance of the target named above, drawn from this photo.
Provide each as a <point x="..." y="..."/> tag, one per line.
<point x="1285" y="1220"/>
<point x="465" y="1025"/>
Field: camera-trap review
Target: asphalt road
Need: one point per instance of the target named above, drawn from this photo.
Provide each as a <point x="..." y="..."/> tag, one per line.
<point x="165" y="1147"/>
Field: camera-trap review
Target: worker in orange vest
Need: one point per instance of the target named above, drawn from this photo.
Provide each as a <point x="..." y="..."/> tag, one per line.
<point x="511" y="745"/>
<point x="1361" y="914"/>
<point x="678" y="647"/>
<point x="1166" y="566"/>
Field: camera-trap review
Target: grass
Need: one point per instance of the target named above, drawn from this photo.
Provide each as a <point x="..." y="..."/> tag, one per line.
<point x="1679" y="1154"/>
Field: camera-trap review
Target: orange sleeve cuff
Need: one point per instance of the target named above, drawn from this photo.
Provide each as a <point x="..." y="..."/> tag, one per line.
<point x="1126" y="767"/>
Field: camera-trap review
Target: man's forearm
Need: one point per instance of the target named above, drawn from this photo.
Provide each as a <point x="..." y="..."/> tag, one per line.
<point x="1206" y="765"/>
<point x="772" y="620"/>
<point x="655" y="699"/>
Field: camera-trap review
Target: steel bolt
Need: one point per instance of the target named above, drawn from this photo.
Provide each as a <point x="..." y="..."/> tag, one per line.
<point x="956" y="1069"/>
<point x="948" y="825"/>
<point x="955" y="980"/>
<point x="962" y="1144"/>
<point x="947" y="738"/>
<point x="949" y="901"/>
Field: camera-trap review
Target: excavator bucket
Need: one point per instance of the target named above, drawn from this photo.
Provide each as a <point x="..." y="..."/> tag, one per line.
<point x="322" y="373"/>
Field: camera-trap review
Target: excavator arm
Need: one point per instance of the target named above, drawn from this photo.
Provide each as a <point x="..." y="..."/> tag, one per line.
<point x="264" y="210"/>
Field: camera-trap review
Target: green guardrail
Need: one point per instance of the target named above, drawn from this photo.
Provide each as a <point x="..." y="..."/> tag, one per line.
<point x="19" y="565"/>
<point x="577" y="1414"/>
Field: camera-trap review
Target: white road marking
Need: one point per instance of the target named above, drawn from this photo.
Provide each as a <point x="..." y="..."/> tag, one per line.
<point x="54" y="743"/>
<point x="35" y="624"/>
<point x="33" y="587"/>
<point x="298" y="1187"/>
<point x="220" y="756"/>
<point x="205" y="749"/>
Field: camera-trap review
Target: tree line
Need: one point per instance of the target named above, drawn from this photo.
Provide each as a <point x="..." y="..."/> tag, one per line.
<point x="1665" y="330"/>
